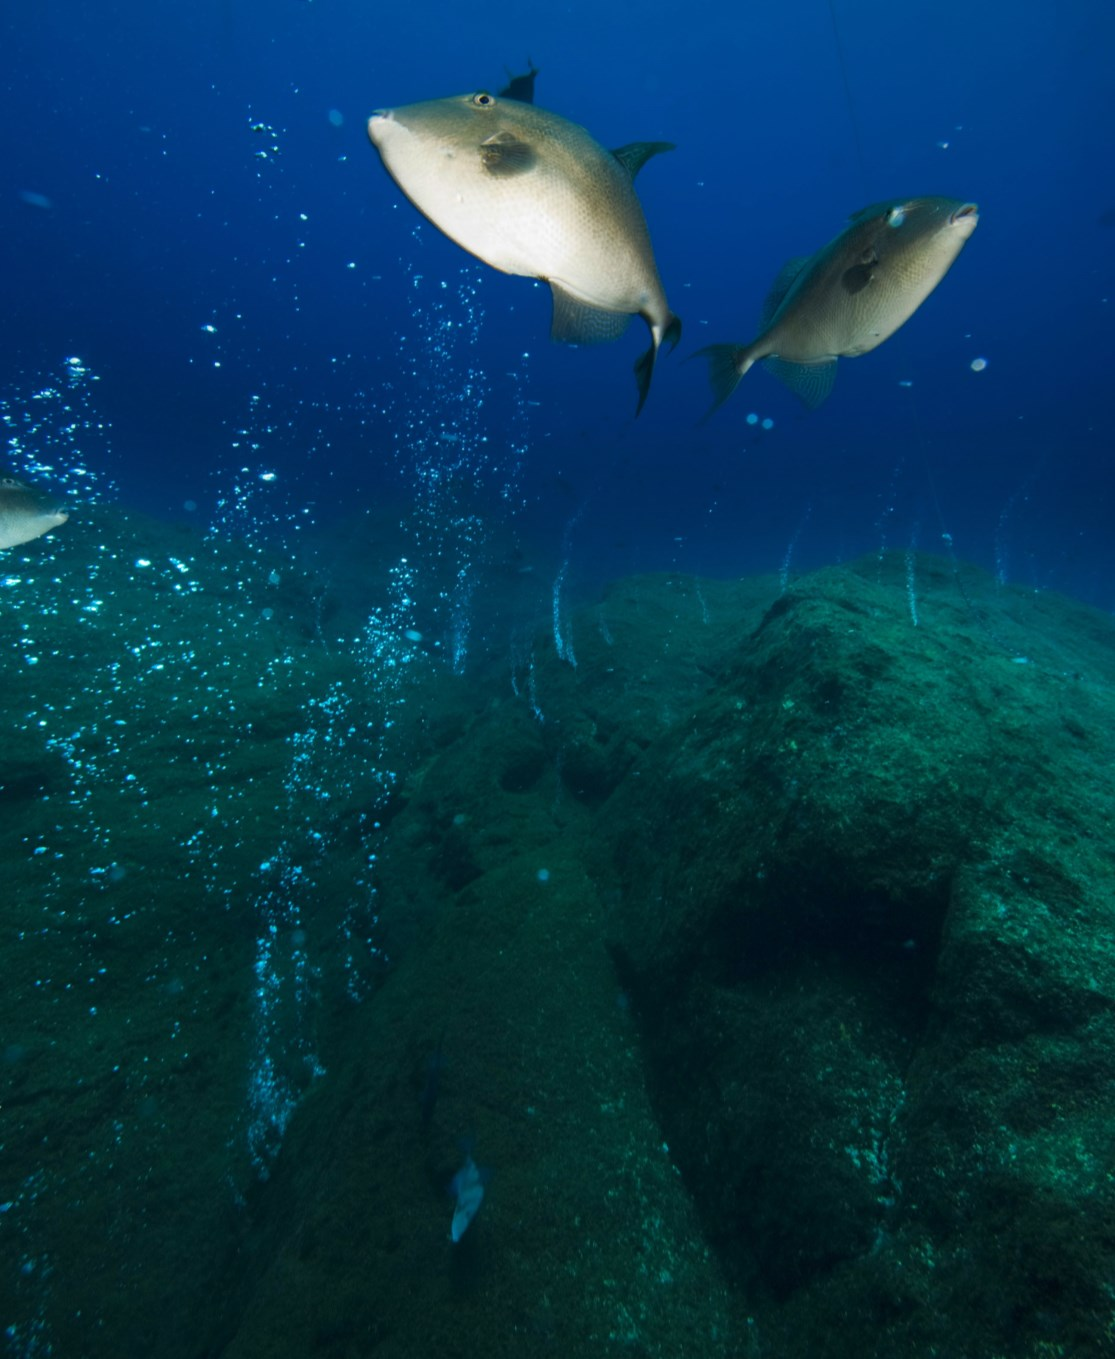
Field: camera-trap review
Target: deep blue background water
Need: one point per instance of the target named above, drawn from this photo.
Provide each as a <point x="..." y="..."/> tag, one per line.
<point x="136" y="210"/>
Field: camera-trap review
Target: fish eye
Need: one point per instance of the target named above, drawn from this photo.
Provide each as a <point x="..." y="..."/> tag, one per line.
<point x="896" y="216"/>
<point x="483" y="99"/>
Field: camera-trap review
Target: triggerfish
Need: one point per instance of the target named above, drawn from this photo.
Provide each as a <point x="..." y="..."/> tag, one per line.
<point x="849" y="296"/>
<point x="531" y="193"/>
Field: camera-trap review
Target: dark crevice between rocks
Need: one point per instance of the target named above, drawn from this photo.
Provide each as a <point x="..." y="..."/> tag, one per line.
<point x="778" y="1068"/>
<point x="882" y="947"/>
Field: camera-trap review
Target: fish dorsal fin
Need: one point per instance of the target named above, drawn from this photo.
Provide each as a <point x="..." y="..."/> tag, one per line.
<point x="635" y="155"/>
<point x="781" y="286"/>
<point x="503" y="154"/>
<point x="577" y="323"/>
<point x="521" y="87"/>
<point x="811" y="382"/>
<point x="873" y="210"/>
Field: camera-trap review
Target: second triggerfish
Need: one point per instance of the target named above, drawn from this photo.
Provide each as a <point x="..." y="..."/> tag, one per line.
<point x="849" y="296"/>
<point x="531" y="193"/>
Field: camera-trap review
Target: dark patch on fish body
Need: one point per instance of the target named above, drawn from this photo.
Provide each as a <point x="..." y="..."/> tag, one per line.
<point x="505" y="154"/>
<point x="859" y="276"/>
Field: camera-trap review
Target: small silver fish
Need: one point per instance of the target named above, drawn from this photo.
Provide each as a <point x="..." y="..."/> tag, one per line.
<point x="848" y="297"/>
<point x="531" y="193"/>
<point x="25" y="513"/>
<point x="468" y="1189"/>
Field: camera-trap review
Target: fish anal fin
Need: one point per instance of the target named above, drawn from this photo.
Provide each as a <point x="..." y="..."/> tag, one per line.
<point x="576" y="322"/>
<point x="635" y="155"/>
<point x="780" y="287"/>
<point x="810" y="382"/>
<point x="504" y="154"/>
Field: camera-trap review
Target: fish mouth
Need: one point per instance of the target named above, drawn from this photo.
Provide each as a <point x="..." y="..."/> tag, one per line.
<point x="378" y="123"/>
<point x="966" y="212"/>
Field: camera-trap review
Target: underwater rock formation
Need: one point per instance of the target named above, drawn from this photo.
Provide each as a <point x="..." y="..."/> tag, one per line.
<point x="764" y="955"/>
<point x="864" y="893"/>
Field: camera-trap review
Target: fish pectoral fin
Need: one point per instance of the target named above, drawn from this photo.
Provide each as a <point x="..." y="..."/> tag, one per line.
<point x="635" y="155"/>
<point x="855" y="279"/>
<point x="503" y="154"/>
<point x="811" y="382"/>
<point x="577" y="322"/>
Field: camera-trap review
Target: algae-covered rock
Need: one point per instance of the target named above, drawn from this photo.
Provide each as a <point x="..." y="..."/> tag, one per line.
<point x="755" y="937"/>
<point x="865" y="902"/>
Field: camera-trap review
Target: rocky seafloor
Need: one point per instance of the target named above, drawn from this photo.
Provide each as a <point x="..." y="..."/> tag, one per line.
<point x="763" y="956"/>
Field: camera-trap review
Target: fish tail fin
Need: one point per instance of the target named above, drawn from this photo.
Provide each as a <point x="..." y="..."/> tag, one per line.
<point x="727" y="363"/>
<point x="672" y="334"/>
<point x="644" y="365"/>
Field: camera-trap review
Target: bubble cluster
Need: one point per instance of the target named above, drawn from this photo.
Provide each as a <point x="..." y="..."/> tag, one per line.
<point x="464" y="475"/>
<point x="55" y="434"/>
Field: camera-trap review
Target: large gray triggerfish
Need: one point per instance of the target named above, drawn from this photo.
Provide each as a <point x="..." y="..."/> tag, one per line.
<point x="531" y="193"/>
<point x="25" y="512"/>
<point x="848" y="297"/>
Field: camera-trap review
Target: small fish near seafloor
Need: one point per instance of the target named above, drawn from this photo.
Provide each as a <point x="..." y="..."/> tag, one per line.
<point x="848" y="297"/>
<point x="531" y="193"/>
<point x="25" y="513"/>
<point x="468" y="1187"/>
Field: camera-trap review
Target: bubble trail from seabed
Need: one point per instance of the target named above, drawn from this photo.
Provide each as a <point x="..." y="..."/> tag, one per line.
<point x="463" y="479"/>
<point x="465" y="474"/>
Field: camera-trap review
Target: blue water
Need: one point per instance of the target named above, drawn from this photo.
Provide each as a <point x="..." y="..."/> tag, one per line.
<point x="170" y="168"/>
